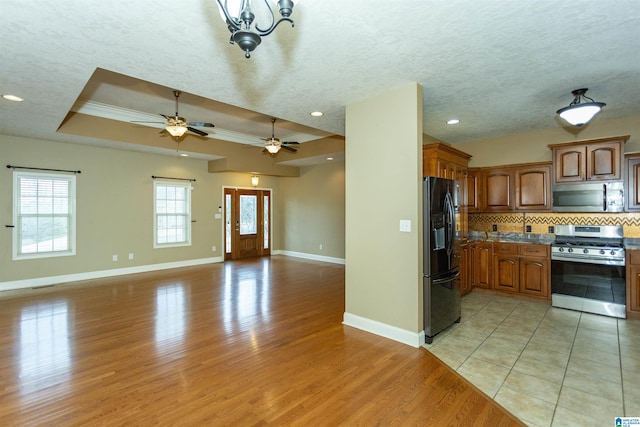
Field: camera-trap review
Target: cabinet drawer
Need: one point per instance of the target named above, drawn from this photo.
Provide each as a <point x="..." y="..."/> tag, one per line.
<point x="505" y="248"/>
<point x="534" y="250"/>
<point x="634" y="257"/>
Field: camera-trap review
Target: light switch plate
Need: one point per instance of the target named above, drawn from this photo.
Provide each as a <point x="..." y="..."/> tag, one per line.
<point x="405" y="225"/>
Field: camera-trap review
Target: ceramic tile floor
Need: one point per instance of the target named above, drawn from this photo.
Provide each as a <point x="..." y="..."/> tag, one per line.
<point x="548" y="366"/>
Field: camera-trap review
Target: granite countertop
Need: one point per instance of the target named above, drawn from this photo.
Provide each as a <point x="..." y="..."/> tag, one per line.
<point x="631" y="243"/>
<point x="496" y="236"/>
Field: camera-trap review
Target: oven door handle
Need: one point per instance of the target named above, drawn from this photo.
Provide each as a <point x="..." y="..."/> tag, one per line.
<point x="588" y="260"/>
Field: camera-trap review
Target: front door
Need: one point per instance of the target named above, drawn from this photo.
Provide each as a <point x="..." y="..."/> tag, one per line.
<point x="247" y="223"/>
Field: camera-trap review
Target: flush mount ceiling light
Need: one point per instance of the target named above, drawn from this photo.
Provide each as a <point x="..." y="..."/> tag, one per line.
<point x="582" y="108"/>
<point x="239" y="19"/>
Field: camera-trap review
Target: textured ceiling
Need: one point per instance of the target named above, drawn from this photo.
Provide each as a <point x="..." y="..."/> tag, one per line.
<point x="501" y="67"/>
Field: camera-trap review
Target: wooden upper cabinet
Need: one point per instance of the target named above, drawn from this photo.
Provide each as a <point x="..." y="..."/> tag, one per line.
<point x="472" y="190"/>
<point x="589" y="160"/>
<point x="632" y="184"/>
<point x="498" y="189"/>
<point x="570" y="164"/>
<point x="444" y="161"/>
<point x="533" y="188"/>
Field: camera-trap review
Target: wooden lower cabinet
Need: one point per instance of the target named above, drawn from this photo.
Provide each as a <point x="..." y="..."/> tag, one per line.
<point x="465" y="270"/>
<point x="505" y="267"/>
<point x="481" y="260"/>
<point x="516" y="268"/>
<point x="633" y="281"/>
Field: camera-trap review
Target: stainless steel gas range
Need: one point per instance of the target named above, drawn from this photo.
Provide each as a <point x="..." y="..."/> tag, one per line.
<point x="588" y="269"/>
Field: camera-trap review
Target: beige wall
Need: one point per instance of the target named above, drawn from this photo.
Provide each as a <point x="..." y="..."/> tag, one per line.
<point x="312" y="210"/>
<point x="383" y="281"/>
<point x="529" y="147"/>
<point x="115" y="208"/>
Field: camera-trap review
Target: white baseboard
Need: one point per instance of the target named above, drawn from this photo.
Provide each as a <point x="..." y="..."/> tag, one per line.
<point x="310" y="256"/>
<point x="413" y="339"/>
<point x="55" y="280"/>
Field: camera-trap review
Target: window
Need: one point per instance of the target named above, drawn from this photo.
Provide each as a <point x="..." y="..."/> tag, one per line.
<point x="172" y="214"/>
<point x="44" y="215"/>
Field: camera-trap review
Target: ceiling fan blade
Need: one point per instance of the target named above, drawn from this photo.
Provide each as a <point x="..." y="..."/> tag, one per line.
<point x="143" y="121"/>
<point x="291" y="142"/>
<point x="202" y="124"/>
<point x="197" y="131"/>
<point x="289" y="149"/>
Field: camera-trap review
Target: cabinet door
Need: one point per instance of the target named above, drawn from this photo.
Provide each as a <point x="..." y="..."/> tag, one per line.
<point x="632" y="198"/>
<point x="482" y="265"/>
<point x="498" y="190"/>
<point x="633" y="280"/>
<point x="534" y="277"/>
<point x="533" y="188"/>
<point x="505" y="273"/>
<point x="603" y="161"/>
<point x="465" y="269"/>
<point x="569" y="163"/>
<point x="472" y="190"/>
<point x="633" y="290"/>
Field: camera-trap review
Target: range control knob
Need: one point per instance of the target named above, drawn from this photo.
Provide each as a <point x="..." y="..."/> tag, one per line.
<point x="613" y="252"/>
<point x="570" y="250"/>
<point x="560" y="249"/>
<point x="586" y="251"/>
<point x="601" y="251"/>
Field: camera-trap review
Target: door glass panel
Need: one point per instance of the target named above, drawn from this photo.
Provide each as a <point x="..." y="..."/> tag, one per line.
<point x="266" y="221"/>
<point x="227" y="223"/>
<point x="248" y="214"/>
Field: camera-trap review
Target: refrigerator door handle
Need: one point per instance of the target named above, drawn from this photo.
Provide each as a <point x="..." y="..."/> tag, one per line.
<point x="448" y="279"/>
<point x="449" y="218"/>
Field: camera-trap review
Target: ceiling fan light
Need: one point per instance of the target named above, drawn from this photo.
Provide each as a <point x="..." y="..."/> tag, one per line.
<point x="176" y="130"/>
<point x="273" y="145"/>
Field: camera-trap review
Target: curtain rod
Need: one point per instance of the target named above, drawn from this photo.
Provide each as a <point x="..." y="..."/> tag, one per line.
<point x="41" y="169"/>
<point x="179" y="179"/>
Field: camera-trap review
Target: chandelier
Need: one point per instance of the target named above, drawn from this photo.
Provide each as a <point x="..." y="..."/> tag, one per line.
<point x="239" y="19"/>
<point x="582" y="108"/>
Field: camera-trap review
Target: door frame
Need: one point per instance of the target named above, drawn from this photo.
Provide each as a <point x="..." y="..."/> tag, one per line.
<point x="234" y="252"/>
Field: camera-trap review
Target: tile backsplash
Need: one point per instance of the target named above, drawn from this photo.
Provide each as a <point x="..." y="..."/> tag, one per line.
<point x="540" y="222"/>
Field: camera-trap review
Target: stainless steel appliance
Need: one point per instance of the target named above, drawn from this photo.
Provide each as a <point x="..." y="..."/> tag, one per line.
<point x="588" y="269"/>
<point x="440" y="258"/>
<point x="589" y="197"/>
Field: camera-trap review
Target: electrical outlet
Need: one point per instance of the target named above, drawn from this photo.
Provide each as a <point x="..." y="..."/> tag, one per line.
<point x="494" y="227"/>
<point x="115" y="258"/>
<point x="130" y="256"/>
<point x="213" y="249"/>
<point x="552" y="229"/>
<point x="527" y="229"/>
<point x="320" y="246"/>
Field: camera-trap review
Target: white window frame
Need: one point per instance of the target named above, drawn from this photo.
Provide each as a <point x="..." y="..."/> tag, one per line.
<point x="186" y="213"/>
<point x="18" y="214"/>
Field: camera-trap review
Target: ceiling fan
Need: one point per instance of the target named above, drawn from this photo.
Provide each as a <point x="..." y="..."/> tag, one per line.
<point x="273" y="144"/>
<point x="177" y="126"/>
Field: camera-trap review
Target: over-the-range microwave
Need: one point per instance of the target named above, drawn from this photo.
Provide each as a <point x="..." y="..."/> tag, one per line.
<point x="589" y="197"/>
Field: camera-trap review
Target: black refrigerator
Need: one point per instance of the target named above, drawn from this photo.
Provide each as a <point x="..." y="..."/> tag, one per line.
<point x="440" y="259"/>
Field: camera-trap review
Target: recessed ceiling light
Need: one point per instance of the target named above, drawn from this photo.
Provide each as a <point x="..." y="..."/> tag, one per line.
<point x="12" y="98"/>
<point x="453" y="122"/>
<point x="184" y="155"/>
<point x="329" y="158"/>
<point x="317" y="113"/>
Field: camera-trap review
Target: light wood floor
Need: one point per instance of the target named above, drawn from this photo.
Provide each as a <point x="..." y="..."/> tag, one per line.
<point x="255" y="342"/>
